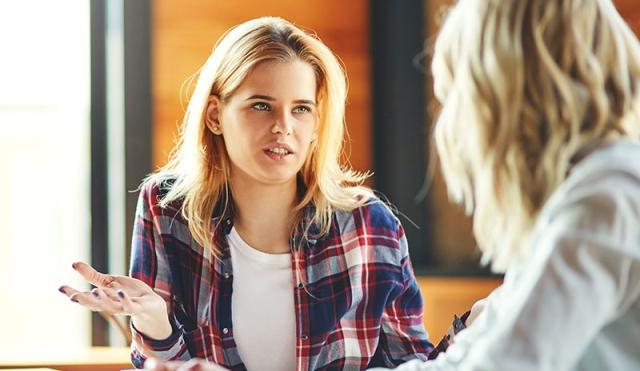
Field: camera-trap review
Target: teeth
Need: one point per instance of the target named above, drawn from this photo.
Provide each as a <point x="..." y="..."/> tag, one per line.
<point x="279" y="151"/>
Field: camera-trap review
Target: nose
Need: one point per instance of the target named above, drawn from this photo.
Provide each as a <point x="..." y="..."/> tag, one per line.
<point x="283" y="124"/>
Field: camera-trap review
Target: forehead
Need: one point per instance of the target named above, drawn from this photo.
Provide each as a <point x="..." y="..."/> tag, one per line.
<point x="293" y="79"/>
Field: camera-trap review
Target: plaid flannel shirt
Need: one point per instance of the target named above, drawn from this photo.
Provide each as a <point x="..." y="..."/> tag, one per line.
<point x="357" y="302"/>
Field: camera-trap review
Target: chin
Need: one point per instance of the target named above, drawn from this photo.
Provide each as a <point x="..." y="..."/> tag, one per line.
<point x="275" y="178"/>
<point x="278" y="180"/>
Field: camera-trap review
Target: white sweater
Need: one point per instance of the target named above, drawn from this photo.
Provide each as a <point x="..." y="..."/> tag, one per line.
<point x="574" y="304"/>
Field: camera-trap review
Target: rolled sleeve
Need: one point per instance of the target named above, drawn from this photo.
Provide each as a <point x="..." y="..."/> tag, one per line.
<point x="171" y="348"/>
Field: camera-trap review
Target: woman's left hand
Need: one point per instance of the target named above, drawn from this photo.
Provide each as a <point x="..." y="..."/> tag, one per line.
<point x="195" y="364"/>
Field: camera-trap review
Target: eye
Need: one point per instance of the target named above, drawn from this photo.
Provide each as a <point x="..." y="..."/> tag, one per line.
<point x="261" y="106"/>
<point x="302" y="109"/>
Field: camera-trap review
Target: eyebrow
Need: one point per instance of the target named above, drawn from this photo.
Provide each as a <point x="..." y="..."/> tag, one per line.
<point x="272" y="99"/>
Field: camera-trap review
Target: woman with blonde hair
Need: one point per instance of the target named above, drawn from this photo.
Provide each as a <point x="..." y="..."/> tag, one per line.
<point x="253" y="247"/>
<point x="539" y="139"/>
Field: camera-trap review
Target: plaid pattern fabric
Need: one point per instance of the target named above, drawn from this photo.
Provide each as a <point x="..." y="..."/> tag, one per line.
<point x="357" y="302"/>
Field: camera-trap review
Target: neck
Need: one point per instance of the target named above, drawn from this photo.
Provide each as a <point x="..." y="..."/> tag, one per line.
<point x="264" y="214"/>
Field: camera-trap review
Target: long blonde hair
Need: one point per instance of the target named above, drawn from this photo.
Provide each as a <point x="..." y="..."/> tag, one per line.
<point x="526" y="85"/>
<point x="199" y="166"/>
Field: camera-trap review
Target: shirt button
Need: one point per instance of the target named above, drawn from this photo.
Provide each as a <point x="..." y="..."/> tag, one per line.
<point x="228" y="221"/>
<point x="300" y="286"/>
<point x="227" y="275"/>
<point x="225" y="330"/>
<point x="304" y="337"/>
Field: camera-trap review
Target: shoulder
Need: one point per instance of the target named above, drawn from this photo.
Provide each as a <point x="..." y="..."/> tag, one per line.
<point x="372" y="214"/>
<point x="371" y="233"/>
<point x="152" y="191"/>
<point x="372" y="227"/>
<point x="600" y="198"/>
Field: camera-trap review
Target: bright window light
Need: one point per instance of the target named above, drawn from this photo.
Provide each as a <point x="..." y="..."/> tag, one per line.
<point x="44" y="175"/>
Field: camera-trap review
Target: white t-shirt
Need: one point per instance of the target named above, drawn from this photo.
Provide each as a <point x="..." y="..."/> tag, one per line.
<point x="574" y="304"/>
<point x="262" y="307"/>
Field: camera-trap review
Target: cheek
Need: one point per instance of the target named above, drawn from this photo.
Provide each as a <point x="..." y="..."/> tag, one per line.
<point x="236" y="144"/>
<point x="311" y="123"/>
<point x="241" y="129"/>
<point x="306" y="134"/>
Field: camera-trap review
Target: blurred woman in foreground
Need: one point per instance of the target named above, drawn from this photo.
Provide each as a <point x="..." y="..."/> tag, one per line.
<point x="538" y="139"/>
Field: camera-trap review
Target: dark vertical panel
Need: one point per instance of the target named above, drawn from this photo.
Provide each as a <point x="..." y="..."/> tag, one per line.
<point x="99" y="186"/>
<point x="398" y="102"/>
<point x="137" y="86"/>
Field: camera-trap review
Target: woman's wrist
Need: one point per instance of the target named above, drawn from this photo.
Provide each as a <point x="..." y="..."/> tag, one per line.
<point x="154" y="327"/>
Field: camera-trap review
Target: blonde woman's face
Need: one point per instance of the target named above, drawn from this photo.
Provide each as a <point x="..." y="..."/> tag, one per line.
<point x="268" y="124"/>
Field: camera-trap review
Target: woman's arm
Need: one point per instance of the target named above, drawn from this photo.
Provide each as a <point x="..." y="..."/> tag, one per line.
<point x="154" y="336"/>
<point x="402" y="334"/>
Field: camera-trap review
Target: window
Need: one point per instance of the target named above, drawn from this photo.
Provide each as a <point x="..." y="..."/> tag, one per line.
<point x="44" y="172"/>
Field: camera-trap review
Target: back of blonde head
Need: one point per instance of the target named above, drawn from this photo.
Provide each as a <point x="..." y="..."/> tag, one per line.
<point x="526" y="85"/>
<point x="199" y="167"/>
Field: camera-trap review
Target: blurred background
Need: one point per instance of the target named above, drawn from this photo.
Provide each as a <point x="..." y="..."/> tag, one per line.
<point x="91" y="97"/>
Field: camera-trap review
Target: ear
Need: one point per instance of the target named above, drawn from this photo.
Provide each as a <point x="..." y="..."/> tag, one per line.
<point x="212" y="115"/>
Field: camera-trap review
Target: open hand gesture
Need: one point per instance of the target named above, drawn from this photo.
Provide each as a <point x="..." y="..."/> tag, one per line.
<point x="122" y="295"/>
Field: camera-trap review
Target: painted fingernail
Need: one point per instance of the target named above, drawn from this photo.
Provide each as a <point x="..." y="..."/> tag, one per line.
<point x="121" y="294"/>
<point x="61" y="289"/>
<point x="74" y="265"/>
<point x="95" y="293"/>
<point x="74" y="300"/>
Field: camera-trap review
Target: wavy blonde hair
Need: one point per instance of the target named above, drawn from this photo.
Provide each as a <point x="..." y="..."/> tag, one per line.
<point x="526" y="86"/>
<point x="199" y="166"/>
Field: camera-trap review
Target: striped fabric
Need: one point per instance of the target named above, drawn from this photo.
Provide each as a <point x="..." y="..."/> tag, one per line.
<point x="357" y="302"/>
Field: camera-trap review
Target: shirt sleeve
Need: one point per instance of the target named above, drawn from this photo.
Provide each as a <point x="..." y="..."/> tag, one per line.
<point x="582" y="273"/>
<point x="402" y="335"/>
<point x="149" y="264"/>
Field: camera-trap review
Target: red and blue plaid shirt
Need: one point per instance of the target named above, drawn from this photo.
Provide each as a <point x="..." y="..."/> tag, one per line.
<point x="357" y="302"/>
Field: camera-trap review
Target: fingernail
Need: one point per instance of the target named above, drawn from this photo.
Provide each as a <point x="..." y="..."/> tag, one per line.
<point x="74" y="265"/>
<point x="74" y="300"/>
<point x="121" y="294"/>
<point x="61" y="289"/>
<point x="95" y="293"/>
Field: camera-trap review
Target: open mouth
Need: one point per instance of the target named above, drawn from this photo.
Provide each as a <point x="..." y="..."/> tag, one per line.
<point x="279" y="151"/>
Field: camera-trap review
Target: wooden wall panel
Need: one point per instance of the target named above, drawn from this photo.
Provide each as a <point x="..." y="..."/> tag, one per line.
<point x="184" y="32"/>
<point x="446" y="296"/>
<point x="630" y="10"/>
